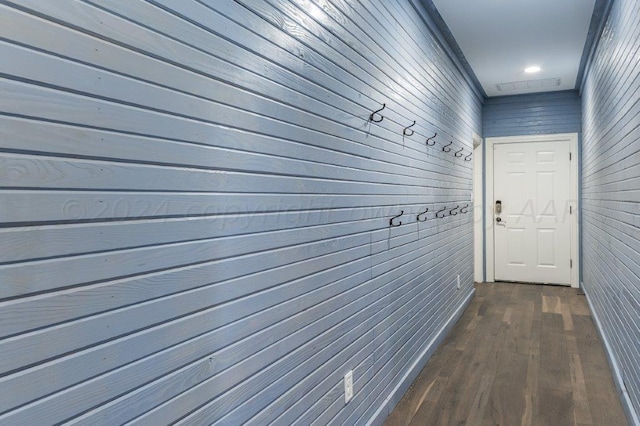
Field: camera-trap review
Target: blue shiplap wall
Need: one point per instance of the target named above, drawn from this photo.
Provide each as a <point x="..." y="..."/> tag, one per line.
<point x="532" y="114"/>
<point x="611" y="201"/>
<point x="195" y="209"/>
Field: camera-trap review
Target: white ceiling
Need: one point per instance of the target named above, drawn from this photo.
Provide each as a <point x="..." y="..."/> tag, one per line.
<point x="500" y="38"/>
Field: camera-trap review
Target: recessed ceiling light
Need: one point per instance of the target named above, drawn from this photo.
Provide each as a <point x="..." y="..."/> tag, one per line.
<point x="532" y="70"/>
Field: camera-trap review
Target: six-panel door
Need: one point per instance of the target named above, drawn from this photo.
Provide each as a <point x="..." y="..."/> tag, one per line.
<point x="533" y="231"/>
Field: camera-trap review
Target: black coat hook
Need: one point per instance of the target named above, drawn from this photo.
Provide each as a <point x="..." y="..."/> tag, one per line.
<point x="391" y="224"/>
<point x="440" y="211"/>
<point x="451" y="213"/>
<point x="372" y="116"/>
<point x="446" y="147"/>
<point x="459" y="153"/>
<point x="464" y="209"/>
<point x="468" y="157"/>
<point x="407" y="131"/>
<point x="420" y="214"/>
<point x="433" y="142"/>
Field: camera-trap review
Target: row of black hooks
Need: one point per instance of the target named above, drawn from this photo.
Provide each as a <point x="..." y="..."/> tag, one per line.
<point x="377" y="117"/>
<point x="445" y="211"/>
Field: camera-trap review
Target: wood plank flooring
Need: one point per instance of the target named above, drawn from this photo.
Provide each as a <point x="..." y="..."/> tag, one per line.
<point x="520" y="355"/>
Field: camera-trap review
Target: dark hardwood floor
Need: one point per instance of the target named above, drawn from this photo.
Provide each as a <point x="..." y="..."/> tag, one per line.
<point x="520" y="355"/>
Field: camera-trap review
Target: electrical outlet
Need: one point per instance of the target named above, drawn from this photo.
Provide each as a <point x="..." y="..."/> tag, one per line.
<point x="348" y="386"/>
<point x="458" y="281"/>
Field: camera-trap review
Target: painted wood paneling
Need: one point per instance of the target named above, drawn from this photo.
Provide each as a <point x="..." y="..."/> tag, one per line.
<point x="532" y="114"/>
<point x="611" y="202"/>
<point x="195" y="209"/>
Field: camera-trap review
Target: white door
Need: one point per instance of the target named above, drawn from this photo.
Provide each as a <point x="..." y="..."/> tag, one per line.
<point x="532" y="187"/>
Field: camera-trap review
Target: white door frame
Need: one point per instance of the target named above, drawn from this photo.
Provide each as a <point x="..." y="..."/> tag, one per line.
<point x="478" y="237"/>
<point x="489" y="143"/>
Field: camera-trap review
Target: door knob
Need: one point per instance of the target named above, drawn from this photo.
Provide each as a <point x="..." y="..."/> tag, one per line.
<point x="499" y="220"/>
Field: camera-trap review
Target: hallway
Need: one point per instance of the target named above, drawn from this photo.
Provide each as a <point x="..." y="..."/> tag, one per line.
<point x="520" y="354"/>
<point x="274" y="212"/>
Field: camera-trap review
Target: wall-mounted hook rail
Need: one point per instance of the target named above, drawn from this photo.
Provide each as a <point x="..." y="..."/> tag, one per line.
<point x="459" y="153"/>
<point x="464" y="209"/>
<point x="468" y="157"/>
<point x="391" y="224"/>
<point x="446" y="147"/>
<point x="420" y="214"/>
<point x="407" y="130"/>
<point x="433" y="142"/>
<point x="373" y="118"/>
<point x="451" y="213"/>
<point x="440" y="211"/>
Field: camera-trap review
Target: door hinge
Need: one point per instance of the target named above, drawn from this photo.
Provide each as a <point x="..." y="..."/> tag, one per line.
<point x="569" y="156"/>
<point x="570" y="209"/>
<point x="570" y="263"/>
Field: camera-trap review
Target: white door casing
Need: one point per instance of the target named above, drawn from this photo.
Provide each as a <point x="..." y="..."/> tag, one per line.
<point x="478" y="235"/>
<point x="536" y="238"/>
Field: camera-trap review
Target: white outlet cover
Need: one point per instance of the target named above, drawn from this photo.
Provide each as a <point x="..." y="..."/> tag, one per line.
<point x="348" y="386"/>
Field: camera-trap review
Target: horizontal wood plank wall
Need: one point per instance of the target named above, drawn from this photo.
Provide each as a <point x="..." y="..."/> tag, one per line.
<point x="195" y="208"/>
<point x="532" y="114"/>
<point x="611" y="201"/>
